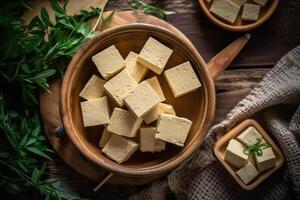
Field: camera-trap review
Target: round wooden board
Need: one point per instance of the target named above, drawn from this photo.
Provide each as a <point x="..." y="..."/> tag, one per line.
<point x="49" y="108"/>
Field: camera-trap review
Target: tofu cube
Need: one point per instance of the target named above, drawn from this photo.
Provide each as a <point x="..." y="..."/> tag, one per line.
<point x="109" y="62"/>
<point x="142" y="100"/>
<point x="261" y="2"/>
<point x="239" y="3"/>
<point x="93" y="89"/>
<point x="266" y="161"/>
<point x="148" y="142"/>
<point x="173" y="129"/>
<point x="122" y="122"/>
<point x="247" y="173"/>
<point x="136" y="69"/>
<point x="250" y="12"/>
<point x="225" y="9"/>
<point x="250" y="136"/>
<point x="154" y="83"/>
<point x="104" y="137"/>
<point x="119" y="149"/>
<point x="161" y="108"/>
<point x="182" y="79"/>
<point x="154" y="55"/>
<point x="120" y="86"/>
<point x="95" y="112"/>
<point x="234" y="154"/>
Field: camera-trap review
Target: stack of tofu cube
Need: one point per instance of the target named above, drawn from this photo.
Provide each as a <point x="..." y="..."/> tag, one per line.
<point x="228" y="10"/>
<point x="138" y="102"/>
<point x="249" y="165"/>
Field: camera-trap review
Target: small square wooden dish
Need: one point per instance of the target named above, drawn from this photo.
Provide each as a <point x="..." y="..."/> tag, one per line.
<point x="221" y="144"/>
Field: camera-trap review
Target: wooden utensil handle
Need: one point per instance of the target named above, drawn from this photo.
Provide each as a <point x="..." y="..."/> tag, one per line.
<point x="223" y="59"/>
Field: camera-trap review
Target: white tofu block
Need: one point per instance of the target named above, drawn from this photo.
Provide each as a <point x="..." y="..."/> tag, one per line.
<point x="119" y="149"/>
<point x="161" y="108"/>
<point x="148" y="142"/>
<point x="261" y="2"/>
<point x="154" y="83"/>
<point x="104" y="137"/>
<point x="225" y="9"/>
<point x="109" y="62"/>
<point x="142" y="100"/>
<point x="267" y="160"/>
<point x="249" y="136"/>
<point x="234" y="153"/>
<point x="122" y="122"/>
<point x="93" y="89"/>
<point x="173" y="129"/>
<point x="154" y="55"/>
<point x="136" y="69"/>
<point x="95" y="112"/>
<point x="120" y="86"/>
<point x="250" y="12"/>
<point x="182" y="79"/>
<point x="239" y="3"/>
<point x="247" y="173"/>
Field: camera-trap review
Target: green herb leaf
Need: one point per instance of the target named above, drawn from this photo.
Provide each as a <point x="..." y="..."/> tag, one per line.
<point x="256" y="148"/>
<point x="149" y="9"/>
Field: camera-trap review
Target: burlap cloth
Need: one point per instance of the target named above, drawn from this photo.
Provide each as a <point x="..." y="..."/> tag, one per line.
<point x="274" y="102"/>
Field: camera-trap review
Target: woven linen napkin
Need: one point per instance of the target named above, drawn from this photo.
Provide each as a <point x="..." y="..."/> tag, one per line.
<point x="274" y="102"/>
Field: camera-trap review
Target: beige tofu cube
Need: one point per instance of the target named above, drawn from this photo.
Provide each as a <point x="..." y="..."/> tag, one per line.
<point x="119" y="149"/>
<point x="267" y="160"/>
<point x="261" y="2"/>
<point x="148" y="142"/>
<point x="225" y="9"/>
<point x="182" y="79"/>
<point x="247" y="173"/>
<point x="154" y="83"/>
<point x="120" y="86"/>
<point x="142" y="100"/>
<point x="173" y="129"/>
<point x="109" y="62"/>
<point x="104" y="137"/>
<point x="234" y="154"/>
<point x="93" y="89"/>
<point x="154" y="55"/>
<point x="122" y="122"/>
<point x="239" y="3"/>
<point x="95" y="112"/>
<point x="161" y="108"/>
<point x="250" y="136"/>
<point x="136" y="69"/>
<point x="250" y="12"/>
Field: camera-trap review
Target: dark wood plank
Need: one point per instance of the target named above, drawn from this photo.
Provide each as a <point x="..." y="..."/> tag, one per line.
<point x="267" y="45"/>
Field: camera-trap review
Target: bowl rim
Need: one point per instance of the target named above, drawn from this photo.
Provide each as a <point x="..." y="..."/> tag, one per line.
<point x="166" y="165"/>
<point x="239" y="28"/>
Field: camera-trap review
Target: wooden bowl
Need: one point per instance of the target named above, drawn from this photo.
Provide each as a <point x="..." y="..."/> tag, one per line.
<point x="221" y="144"/>
<point x="198" y="106"/>
<point x="239" y="25"/>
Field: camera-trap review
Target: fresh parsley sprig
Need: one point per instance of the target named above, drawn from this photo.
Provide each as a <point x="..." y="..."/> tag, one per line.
<point x="42" y="49"/>
<point x="149" y="9"/>
<point x="256" y="148"/>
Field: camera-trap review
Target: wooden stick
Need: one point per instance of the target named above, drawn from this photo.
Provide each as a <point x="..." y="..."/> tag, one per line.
<point x="103" y="182"/>
<point x="223" y="59"/>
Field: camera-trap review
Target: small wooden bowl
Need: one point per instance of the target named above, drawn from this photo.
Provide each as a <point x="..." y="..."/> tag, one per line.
<point x="198" y="106"/>
<point x="221" y="144"/>
<point x="239" y="25"/>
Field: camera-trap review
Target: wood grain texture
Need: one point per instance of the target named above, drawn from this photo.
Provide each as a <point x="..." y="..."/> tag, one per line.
<point x="220" y="148"/>
<point x="268" y="43"/>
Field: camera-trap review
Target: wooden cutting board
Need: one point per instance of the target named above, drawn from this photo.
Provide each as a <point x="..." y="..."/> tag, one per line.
<point x="49" y="106"/>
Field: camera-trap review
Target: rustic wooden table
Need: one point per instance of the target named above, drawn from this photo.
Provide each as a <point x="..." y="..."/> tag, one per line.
<point x="268" y="43"/>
